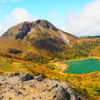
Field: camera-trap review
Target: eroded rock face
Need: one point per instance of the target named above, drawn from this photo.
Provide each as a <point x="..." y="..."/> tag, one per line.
<point x="35" y="87"/>
<point x="72" y="94"/>
<point x="60" y="93"/>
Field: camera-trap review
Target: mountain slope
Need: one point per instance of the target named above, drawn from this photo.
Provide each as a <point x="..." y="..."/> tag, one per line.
<point x="39" y="38"/>
<point x="40" y="41"/>
<point x="30" y="46"/>
<point x="38" y="29"/>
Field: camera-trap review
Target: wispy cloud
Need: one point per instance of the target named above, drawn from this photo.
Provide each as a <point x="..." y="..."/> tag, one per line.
<point x="2" y="1"/>
<point x="15" y="0"/>
<point x="86" y="22"/>
<point x="53" y="14"/>
<point x="18" y="15"/>
<point x="2" y="29"/>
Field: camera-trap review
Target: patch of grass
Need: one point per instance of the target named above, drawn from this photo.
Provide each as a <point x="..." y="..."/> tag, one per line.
<point x="10" y="66"/>
<point x="95" y="91"/>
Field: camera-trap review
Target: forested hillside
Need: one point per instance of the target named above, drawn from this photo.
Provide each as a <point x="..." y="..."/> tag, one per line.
<point x="32" y="47"/>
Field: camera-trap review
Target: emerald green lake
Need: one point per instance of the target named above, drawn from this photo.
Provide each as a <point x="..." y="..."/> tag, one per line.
<point x="83" y="66"/>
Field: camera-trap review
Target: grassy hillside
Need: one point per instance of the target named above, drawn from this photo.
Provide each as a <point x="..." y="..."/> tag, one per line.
<point x="85" y="84"/>
<point x="29" y="47"/>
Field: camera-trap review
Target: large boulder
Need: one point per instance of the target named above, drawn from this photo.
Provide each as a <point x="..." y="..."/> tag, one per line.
<point x="72" y="94"/>
<point x="26" y="77"/>
<point x="60" y="93"/>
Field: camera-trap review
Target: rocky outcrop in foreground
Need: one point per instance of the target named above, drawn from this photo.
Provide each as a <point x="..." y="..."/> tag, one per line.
<point x="18" y="86"/>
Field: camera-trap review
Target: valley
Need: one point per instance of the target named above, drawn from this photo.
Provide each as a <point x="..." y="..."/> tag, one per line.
<point x="36" y="47"/>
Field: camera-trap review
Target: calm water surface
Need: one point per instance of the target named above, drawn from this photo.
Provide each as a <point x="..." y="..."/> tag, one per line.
<point x="83" y="66"/>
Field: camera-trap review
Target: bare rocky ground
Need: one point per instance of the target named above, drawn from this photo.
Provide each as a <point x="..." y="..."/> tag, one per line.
<point x="18" y="86"/>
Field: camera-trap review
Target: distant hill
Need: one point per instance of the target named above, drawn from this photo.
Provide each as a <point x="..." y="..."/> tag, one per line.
<point x="91" y="37"/>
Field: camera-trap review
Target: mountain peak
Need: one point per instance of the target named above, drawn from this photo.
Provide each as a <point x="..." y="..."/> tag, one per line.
<point x="46" y="24"/>
<point x="21" y="30"/>
<point x="37" y="36"/>
<point x="39" y="30"/>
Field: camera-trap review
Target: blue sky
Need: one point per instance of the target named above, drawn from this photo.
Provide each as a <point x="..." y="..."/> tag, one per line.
<point x="79" y="17"/>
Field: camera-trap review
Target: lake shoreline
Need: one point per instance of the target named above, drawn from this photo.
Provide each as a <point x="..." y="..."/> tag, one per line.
<point x="82" y="59"/>
<point x="64" y="66"/>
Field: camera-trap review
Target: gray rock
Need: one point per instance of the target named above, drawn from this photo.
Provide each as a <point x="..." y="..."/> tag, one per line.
<point x="26" y="77"/>
<point x="11" y="88"/>
<point x="4" y="79"/>
<point x="16" y="74"/>
<point x="72" y="94"/>
<point x="10" y="75"/>
<point x="59" y="93"/>
<point x="1" y="84"/>
<point x="18" y="93"/>
<point x="33" y="98"/>
<point x="13" y="74"/>
<point x="39" y="78"/>
<point x="71" y="91"/>
<point x="4" y="91"/>
<point x="2" y="97"/>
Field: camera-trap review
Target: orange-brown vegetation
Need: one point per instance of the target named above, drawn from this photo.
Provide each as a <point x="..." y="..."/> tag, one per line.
<point x="30" y="46"/>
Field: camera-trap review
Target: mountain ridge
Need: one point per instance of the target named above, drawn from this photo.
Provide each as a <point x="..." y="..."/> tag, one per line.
<point x="21" y="30"/>
<point x="41" y="38"/>
<point x="34" y="38"/>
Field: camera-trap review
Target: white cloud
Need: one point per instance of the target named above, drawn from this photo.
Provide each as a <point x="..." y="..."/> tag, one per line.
<point x="2" y="29"/>
<point x="18" y="15"/>
<point x="86" y="22"/>
<point x="3" y="1"/>
<point x="15" y="0"/>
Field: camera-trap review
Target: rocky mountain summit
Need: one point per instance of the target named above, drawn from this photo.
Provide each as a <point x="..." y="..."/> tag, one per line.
<point x="39" y="33"/>
<point x="19" y="86"/>
<point x="38" y="29"/>
<point x="40" y="39"/>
